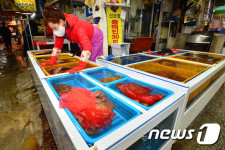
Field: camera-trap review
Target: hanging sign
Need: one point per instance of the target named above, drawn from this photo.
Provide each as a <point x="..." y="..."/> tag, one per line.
<point x="196" y="1"/>
<point x="18" y="5"/>
<point x="89" y="14"/>
<point x="114" y="24"/>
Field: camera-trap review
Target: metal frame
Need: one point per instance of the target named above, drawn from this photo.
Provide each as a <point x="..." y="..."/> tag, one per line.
<point x="52" y="43"/>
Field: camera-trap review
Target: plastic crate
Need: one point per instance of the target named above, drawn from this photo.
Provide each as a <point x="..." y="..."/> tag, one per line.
<point x="75" y="80"/>
<point x="125" y="60"/>
<point x="185" y="72"/>
<point x="123" y="111"/>
<point x="70" y="65"/>
<point x="157" y="90"/>
<point x="205" y="58"/>
<point x="100" y="73"/>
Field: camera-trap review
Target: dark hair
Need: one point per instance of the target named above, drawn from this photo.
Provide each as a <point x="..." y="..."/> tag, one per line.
<point x="52" y="14"/>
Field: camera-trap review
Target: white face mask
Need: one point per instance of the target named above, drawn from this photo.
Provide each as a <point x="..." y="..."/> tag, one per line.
<point x="60" y="32"/>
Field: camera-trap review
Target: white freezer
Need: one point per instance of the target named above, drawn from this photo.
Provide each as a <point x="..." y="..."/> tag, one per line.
<point x="120" y="138"/>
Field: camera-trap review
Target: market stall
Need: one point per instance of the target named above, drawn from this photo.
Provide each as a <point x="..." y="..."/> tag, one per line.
<point x="137" y="117"/>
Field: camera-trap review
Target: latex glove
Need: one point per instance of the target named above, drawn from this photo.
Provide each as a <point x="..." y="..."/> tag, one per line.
<point x="52" y="61"/>
<point x="82" y="65"/>
<point x="150" y="52"/>
<point x="175" y="50"/>
<point x="55" y="54"/>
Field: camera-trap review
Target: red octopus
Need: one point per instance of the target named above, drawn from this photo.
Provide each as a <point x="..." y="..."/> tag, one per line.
<point x="137" y="92"/>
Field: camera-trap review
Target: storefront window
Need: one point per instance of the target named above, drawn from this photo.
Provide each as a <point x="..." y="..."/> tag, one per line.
<point x="138" y="19"/>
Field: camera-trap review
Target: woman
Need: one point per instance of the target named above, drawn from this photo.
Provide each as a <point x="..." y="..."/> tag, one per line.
<point x="68" y="26"/>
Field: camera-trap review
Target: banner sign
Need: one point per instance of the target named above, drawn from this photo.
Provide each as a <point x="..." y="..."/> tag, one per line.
<point x="18" y="5"/>
<point x="114" y="24"/>
<point x="196" y="1"/>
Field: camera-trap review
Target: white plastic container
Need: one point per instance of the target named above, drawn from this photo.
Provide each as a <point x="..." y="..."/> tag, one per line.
<point x="120" y="49"/>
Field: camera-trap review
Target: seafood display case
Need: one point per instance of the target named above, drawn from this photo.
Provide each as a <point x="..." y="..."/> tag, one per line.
<point x="123" y="112"/>
<point x="171" y="69"/>
<point x="65" y="62"/>
<point x="200" y="81"/>
<point x="130" y="59"/>
<point x="140" y="93"/>
<point x="200" y="57"/>
<point x="68" y="130"/>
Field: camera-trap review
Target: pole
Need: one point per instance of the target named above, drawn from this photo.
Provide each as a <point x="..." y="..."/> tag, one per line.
<point x="169" y="30"/>
<point x="30" y="32"/>
<point x="141" y="20"/>
<point x="150" y="33"/>
<point x="159" y="26"/>
<point x="26" y="34"/>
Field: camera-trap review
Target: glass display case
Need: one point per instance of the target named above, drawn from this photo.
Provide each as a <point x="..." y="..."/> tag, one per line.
<point x="126" y="60"/>
<point x="206" y="58"/>
<point x="171" y="69"/>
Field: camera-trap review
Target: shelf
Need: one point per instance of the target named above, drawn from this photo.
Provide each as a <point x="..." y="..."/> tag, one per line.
<point x="116" y="4"/>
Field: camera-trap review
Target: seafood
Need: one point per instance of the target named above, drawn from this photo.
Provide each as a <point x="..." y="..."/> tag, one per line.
<point x="43" y="58"/>
<point x="168" y="63"/>
<point x="102" y="102"/>
<point x="62" y="88"/>
<point x="58" y="70"/>
<point x="163" y="52"/>
<point x="101" y="105"/>
<point x="124" y="60"/>
<point x="110" y="79"/>
<point x="139" y="93"/>
<point x="60" y="61"/>
<point x="200" y="58"/>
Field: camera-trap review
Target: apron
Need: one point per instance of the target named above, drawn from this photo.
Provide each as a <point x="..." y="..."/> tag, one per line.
<point x="96" y="43"/>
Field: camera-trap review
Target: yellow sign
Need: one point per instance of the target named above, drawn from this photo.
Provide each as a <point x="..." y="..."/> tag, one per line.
<point x="197" y="1"/>
<point x="18" y="5"/>
<point x="114" y="24"/>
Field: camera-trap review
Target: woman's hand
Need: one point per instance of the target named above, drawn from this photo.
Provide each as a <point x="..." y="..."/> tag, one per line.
<point x="82" y="65"/>
<point x="52" y="61"/>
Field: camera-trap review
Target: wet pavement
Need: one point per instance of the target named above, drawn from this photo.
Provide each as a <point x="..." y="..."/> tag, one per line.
<point x="22" y="120"/>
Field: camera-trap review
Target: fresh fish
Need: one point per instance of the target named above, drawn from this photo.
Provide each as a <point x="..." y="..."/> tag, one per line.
<point x="110" y="79"/>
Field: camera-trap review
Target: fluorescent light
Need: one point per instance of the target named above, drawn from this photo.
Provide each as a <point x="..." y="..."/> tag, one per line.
<point x="33" y="15"/>
<point x="17" y="12"/>
<point x="26" y="13"/>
